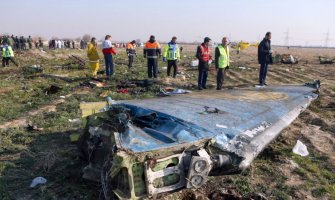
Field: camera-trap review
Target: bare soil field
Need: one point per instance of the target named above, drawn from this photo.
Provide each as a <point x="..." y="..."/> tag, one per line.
<point x="45" y="150"/>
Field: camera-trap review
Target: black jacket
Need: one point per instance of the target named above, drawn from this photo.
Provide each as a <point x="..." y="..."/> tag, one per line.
<point x="264" y="55"/>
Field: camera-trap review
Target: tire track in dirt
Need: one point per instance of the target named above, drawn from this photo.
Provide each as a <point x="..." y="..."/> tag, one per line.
<point x="278" y="79"/>
<point x="319" y="72"/>
<point x="305" y="78"/>
<point x="231" y="78"/>
<point x="292" y="79"/>
<point x="239" y="77"/>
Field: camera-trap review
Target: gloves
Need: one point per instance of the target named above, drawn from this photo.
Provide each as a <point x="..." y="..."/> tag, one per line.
<point x="164" y="59"/>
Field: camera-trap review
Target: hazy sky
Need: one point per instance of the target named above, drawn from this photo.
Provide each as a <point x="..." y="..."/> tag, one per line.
<point x="307" y="21"/>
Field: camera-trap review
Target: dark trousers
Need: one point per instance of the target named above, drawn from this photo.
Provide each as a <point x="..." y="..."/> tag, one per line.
<point x="152" y="67"/>
<point x="262" y="73"/>
<point x="109" y="64"/>
<point x="131" y="60"/>
<point x="221" y="73"/>
<point x="202" y="78"/>
<point x="172" y="63"/>
<point x="5" y="61"/>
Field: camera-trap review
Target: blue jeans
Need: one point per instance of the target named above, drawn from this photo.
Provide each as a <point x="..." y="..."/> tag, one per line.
<point x="109" y="64"/>
<point x="262" y="73"/>
<point x="202" y="78"/>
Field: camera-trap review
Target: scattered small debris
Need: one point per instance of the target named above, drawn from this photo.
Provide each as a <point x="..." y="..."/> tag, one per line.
<point x="33" y="128"/>
<point x="325" y="60"/>
<point x="172" y="91"/>
<point x="285" y="59"/>
<point x="38" y="180"/>
<point x="53" y="89"/>
<point x="211" y="110"/>
<point x="123" y="91"/>
<point x="98" y="84"/>
<point x="32" y="69"/>
<point x="300" y="149"/>
<point x="105" y="94"/>
<point x="74" y="120"/>
<point x="315" y="84"/>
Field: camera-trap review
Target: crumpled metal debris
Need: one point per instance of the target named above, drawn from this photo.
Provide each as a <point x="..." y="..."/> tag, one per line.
<point x="326" y="60"/>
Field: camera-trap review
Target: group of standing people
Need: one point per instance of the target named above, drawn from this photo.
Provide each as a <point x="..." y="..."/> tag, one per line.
<point x="21" y="43"/>
<point x="152" y="52"/>
<point x="61" y="44"/>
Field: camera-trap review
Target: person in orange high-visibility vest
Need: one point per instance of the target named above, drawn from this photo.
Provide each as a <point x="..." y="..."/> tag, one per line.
<point x="131" y="52"/>
<point x="152" y="50"/>
<point x="203" y="54"/>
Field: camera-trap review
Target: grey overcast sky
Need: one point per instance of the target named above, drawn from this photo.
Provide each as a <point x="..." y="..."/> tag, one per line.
<point x="306" y="21"/>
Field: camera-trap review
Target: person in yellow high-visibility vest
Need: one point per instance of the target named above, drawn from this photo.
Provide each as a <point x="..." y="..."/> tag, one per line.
<point x="172" y="55"/>
<point x="93" y="56"/>
<point x="7" y="55"/>
<point x="221" y="62"/>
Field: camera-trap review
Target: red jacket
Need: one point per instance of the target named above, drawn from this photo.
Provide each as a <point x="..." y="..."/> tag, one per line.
<point x="109" y="51"/>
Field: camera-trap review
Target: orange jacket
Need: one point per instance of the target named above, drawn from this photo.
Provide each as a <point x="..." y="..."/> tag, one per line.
<point x="152" y="49"/>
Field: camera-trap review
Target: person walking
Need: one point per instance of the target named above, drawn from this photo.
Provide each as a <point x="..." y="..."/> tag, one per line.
<point x="108" y="52"/>
<point x="203" y="55"/>
<point x="151" y="51"/>
<point x="7" y="55"/>
<point x="172" y="56"/>
<point x="222" y="61"/>
<point x="93" y="56"/>
<point x="264" y="57"/>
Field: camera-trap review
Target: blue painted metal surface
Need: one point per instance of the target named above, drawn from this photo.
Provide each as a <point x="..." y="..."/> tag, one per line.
<point x="246" y="121"/>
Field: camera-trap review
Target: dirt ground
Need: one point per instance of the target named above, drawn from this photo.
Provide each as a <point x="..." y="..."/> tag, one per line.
<point x="47" y="151"/>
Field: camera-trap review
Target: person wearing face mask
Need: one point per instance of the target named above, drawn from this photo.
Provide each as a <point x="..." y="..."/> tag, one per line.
<point x="221" y="62"/>
<point x="264" y="57"/>
<point x="172" y="56"/>
<point x="203" y="55"/>
<point x="151" y="51"/>
<point x="93" y="56"/>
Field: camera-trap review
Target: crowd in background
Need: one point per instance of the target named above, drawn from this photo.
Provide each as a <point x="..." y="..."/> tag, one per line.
<point x="61" y="44"/>
<point x="21" y="42"/>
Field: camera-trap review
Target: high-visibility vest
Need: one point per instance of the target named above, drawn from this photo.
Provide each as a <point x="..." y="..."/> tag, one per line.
<point x="151" y="49"/>
<point x="224" y="56"/>
<point x="92" y="52"/>
<point x="172" y="52"/>
<point x="205" y="54"/>
<point x="130" y="48"/>
<point x="7" y="52"/>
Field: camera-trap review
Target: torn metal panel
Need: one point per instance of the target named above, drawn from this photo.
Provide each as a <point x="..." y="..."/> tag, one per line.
<point x="153" y="143"/>
<point x="252" y="117"/>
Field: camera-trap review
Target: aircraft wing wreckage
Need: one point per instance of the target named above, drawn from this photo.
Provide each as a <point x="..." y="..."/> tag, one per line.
<point x="140" y="148"/>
